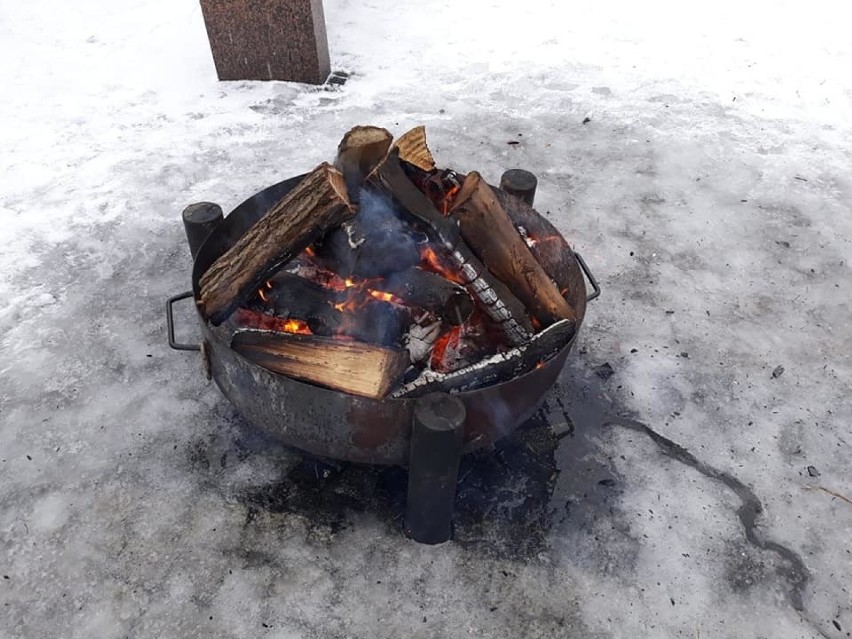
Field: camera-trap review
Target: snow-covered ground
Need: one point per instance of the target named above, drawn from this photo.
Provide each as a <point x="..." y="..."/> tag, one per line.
<point x="710" y="192"/>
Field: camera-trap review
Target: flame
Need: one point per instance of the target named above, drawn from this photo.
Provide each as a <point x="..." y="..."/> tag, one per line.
<point x="449" y="198"/>
<point x="261" y="321"/>
<point x="296" y="326"/>
<point x="430" y="260"/>
<point x="385" y="297"/>
<point x="309" y="251"/>
<point x="261" y="293"/>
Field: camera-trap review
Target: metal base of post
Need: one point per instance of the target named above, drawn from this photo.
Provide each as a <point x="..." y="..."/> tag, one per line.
<point x="436" y="445"/>
<point x="198" y="220"/>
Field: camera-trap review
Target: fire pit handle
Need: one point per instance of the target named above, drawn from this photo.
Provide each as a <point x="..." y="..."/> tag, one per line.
<point x="170" y="322"/>
<point x="596" y="290"/>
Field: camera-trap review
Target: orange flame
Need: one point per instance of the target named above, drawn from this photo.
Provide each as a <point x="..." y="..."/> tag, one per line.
<point x="449" y="198"/>
<point x="430" y="260"/>
<point x="296" y="326"/>
<point x="385" y="297"/>
<point x="261" y="321"/>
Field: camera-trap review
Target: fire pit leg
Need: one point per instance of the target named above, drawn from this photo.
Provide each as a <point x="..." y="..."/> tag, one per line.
<point x="198" y="220"/>
<point x="436" y="445"/>
<point x="520" y="183"/>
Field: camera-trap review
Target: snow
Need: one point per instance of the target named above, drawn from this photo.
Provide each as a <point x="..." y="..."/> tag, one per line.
<point x="709" y="192"/>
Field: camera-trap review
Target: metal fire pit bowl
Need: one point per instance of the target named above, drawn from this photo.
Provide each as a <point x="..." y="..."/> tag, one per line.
<point x="337" y="425"/>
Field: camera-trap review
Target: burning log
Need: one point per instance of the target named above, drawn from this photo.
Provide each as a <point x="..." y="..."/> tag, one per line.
<point x="430" y="292"/>
<point x="317" y="204"/>
<point x="499" y="303"/>
<point x="489" y="231"/>
<point x="359" y="152"/>
<point x="495" y="369"/>
<point x="353" y="312"/>
<point x="351" y="367"/>
<point x="289" y="296"/>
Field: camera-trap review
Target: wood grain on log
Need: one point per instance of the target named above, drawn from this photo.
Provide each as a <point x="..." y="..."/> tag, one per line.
<point x="318" y="203"/>
<point x="348" y="366"/>
<point x="412" y="149"/>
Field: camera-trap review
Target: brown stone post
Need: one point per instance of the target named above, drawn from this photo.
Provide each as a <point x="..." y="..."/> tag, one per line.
<point x="268" y="39"/>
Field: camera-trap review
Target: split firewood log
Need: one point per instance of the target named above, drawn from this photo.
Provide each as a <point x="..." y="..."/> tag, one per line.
<point x="348" y="366"/>
<point x="360" y="150"/>
<point x="490" y="233"/>
<point x="318" y="203"/>
<point x="412" y="149"/>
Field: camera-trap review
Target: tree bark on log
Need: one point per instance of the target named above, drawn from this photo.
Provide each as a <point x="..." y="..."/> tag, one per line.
<point x="351" y="367"/>
<point x="318" y="203"/>
<point x="489" y="231"/>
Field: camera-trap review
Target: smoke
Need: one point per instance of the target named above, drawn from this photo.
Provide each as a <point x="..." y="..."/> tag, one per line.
<point x="389" y="243"/>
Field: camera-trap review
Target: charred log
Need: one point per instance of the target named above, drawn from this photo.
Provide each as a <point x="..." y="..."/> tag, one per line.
<point x="351" y="313"/>
<point x="430" y="292"/>
<point x="317" y="204"/>
<point x="495" y="369"/>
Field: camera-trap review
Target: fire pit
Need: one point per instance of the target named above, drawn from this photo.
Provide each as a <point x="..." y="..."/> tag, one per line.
<point x="372" y="423"/>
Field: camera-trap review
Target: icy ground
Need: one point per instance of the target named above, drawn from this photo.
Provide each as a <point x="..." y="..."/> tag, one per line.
<point x="709" y="190"/>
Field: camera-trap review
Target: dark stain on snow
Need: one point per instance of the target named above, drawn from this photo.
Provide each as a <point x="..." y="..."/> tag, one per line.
<point x="550" y="480"/>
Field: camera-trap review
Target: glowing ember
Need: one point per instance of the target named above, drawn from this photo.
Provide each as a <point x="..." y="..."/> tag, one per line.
<point x="385" y="297"/>
<point x="535" y="241"/>
<point x="431" y="261"/>
<point x="449" y="340"/>
<point x="263" y="322"/>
